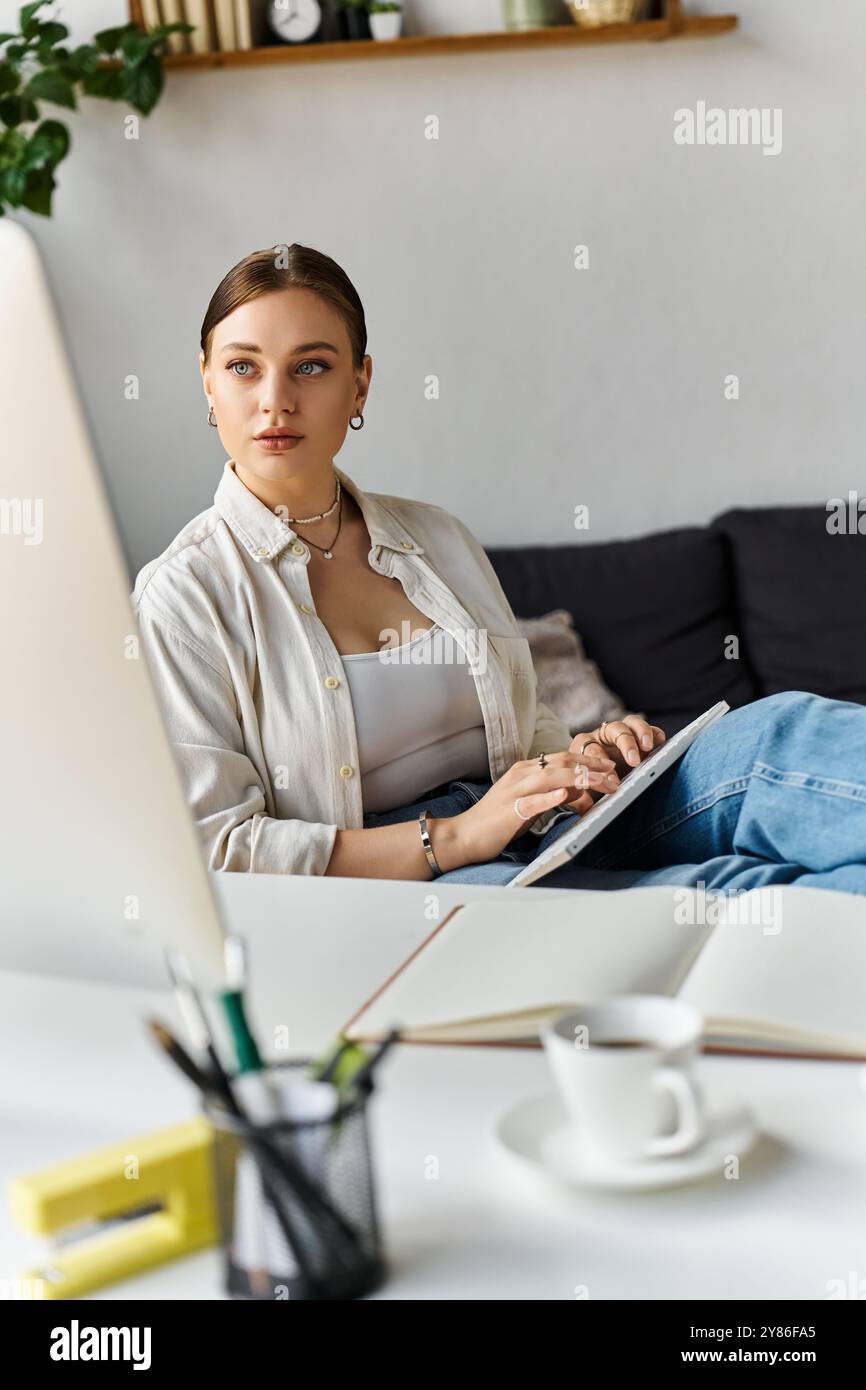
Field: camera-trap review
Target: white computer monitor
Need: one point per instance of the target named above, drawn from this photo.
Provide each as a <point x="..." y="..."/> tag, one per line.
<point x="100" y="861"/>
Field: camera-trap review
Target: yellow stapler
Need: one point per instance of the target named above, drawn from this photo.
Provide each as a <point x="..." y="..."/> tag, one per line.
<point x="119" y="1210"/>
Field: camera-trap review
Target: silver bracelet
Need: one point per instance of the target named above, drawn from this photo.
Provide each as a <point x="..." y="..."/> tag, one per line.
<point x="428" y="848"/>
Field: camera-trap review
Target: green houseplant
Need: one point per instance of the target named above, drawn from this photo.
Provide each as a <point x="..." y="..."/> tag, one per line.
<point x="36" y="67"/>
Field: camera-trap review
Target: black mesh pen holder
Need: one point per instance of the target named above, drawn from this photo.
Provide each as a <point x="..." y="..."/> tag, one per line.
<point x="295" y="1198"/>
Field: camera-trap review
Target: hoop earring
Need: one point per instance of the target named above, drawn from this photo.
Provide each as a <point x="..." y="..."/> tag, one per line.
<point x="209" y="420"/>
<point x="357" y="427"/>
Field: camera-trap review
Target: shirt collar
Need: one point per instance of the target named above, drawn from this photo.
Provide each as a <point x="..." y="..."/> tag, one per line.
<point x="265" y="535"/>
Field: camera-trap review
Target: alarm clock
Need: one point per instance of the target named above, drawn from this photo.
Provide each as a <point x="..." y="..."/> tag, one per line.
<point x="296" y="21"/>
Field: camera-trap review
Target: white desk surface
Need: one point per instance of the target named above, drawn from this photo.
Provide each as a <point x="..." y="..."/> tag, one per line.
<point x="81" y="1073"/>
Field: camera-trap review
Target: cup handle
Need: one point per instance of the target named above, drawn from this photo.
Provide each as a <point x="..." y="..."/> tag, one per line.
<point x="691" y="1120"/>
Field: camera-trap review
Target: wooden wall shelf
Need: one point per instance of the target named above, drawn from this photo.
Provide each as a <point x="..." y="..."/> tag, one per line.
<point x="677" y="25"/>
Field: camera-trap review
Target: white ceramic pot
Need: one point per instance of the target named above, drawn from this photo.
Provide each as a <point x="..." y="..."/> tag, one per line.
<point x="386" y="24"/>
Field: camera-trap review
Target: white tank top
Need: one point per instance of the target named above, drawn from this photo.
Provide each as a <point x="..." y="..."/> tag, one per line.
<point x="418" y="719"/>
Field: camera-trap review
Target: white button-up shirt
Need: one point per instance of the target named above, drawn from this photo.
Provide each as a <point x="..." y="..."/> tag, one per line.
<point x="252" y="688"/>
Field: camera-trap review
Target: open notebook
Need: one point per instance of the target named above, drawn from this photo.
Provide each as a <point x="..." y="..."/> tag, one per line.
<point x="781" y="972"/>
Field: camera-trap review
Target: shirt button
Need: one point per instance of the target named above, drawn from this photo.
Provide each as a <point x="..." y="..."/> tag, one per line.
<point x="298" y="549"/>
<point x="346" y="771"/>
<point x="407" y="545"/>
<point x="263" y="550"/>
<point x="331" y="682"/>
<point x="305" y="608"/>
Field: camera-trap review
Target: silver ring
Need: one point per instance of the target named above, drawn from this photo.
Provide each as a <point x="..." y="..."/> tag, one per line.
<point x="541" y="762"/>
<point x="519" y="812"/>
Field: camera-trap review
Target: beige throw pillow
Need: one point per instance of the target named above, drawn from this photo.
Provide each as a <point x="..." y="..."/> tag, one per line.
<point x="568" y="682"/>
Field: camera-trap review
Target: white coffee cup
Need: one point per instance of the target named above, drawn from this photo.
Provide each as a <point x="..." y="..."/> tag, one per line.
<point x="618" y="1065"/>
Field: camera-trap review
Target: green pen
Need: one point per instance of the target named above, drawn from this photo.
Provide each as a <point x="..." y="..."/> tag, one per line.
<point x="248" y="1056"/>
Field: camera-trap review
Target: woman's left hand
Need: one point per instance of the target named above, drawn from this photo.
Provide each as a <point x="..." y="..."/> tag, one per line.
<point x="627" y="741"/>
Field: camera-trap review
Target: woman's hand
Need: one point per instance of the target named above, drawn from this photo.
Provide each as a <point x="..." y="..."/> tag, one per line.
<point x="492" y="823"/>
<point x="627" y="741"/>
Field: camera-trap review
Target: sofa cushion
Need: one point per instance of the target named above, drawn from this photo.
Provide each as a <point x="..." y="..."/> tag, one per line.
<point x="653" y="611"/>
<point x="799" y="592"/>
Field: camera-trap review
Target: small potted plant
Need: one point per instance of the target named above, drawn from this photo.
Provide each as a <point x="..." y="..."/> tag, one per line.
<point x="386" y="18"/>
<point x="352" y="19"/>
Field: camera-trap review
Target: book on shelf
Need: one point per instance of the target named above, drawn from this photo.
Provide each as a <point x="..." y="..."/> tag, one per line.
<point x="220" y="25"/>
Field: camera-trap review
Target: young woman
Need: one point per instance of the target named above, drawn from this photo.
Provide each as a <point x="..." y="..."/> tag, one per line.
<point x="333" y="664"/>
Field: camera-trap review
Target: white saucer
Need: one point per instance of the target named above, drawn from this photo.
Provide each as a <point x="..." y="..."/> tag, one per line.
<point x="538" y="1132"/>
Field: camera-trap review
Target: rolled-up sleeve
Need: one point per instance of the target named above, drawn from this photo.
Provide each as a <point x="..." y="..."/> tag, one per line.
<point x="223" y="789"/>
<point x="551" y="735"/>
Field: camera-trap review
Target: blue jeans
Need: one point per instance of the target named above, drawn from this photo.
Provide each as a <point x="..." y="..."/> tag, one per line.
<point x="772" y="793"/>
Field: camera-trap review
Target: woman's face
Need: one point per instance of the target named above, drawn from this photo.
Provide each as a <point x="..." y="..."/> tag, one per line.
<point x="283" y="360"/>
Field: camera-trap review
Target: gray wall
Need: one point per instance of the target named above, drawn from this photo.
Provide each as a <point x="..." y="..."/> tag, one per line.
<point x="558" y="386"/>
